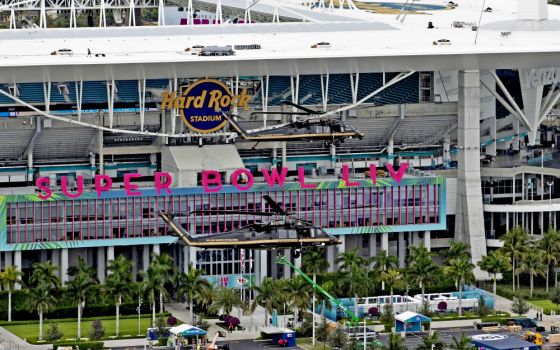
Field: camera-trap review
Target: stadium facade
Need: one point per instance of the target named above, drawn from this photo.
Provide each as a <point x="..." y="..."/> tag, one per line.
<point x="474" y="119"/>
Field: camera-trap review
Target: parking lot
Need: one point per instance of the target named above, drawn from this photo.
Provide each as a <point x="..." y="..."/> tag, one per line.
<point x="446" y="335"/>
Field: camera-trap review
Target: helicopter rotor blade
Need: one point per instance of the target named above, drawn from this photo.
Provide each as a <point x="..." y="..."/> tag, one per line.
<point x="274" y="206"/>
<point x="309" y="111"/>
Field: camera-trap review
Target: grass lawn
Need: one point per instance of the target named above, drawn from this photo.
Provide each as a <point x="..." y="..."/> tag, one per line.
<point x="128" y="326"/>
<point x="545" y="304"/>
<point x="305" y="343"/>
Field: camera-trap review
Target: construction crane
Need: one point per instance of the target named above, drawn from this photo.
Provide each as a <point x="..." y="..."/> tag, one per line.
<point x="354" y="320"/>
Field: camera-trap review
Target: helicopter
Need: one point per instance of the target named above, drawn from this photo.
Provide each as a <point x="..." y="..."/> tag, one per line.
<point x="287" y="232"/>
<point x="316" y="126"/>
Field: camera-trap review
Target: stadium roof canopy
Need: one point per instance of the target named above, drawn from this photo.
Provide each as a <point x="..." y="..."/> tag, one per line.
<point x="360" y="41"/>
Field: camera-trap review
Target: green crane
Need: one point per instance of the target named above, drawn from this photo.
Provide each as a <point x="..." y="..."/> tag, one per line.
<point x="353" y="318"/>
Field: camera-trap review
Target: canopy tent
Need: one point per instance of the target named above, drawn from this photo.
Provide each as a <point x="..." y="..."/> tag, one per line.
<point x="186" y="330"/>
<point x="409" y="322"/>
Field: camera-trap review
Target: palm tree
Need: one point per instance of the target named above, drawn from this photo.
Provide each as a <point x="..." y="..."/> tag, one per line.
<point x="297" y="292"/>
<point x="431" y="342"/>
<point x="79" y="289"/>
<point x="463" y="343"/>
<point x="395" y="342"/>
<point x="495" y="262"/>
<point x="192" y="286"/>
<point x="532" y="262"/>
<point x="9" y="277"/>
<point x="314" y="262"/>
<point x="393" y="278"/>
<point x="461" y="270"/>
<point x="457" y="249"/>
<point x="164" y="262"/>
<point x="226" y="299"/>
<point x="267" y="296"/>
<point x="515" y="241"/>
<point x="351" y="260"/>
<point x="382" y="262"/>
<point x="153" y="284"/>
<point x="46" y="271"/>
<point x="421" y="268"/>
<point x="357" y="283"/>
<point x="118" y="283"/>
<point x="41" y="299"/>
<point x="550" y="247"/>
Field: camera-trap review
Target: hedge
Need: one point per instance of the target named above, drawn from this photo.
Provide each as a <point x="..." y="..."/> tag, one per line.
<point x="93" y="345"/>
<point x="72" y="312"/>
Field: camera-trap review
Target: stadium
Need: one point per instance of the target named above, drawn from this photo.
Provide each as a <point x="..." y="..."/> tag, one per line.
<point x="98" y="109"/>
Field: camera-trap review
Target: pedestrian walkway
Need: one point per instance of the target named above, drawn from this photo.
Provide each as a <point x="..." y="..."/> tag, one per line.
<point x="503" y="304"/>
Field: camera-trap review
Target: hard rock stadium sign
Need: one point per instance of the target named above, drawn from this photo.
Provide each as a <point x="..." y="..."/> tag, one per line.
<point x="211" y="181"/>
<point x="202" y="104"/>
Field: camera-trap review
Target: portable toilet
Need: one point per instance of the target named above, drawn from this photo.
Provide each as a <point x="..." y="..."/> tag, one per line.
<point x="152" y="334"/>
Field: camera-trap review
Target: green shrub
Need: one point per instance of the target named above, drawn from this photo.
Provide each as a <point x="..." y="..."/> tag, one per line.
<point x="97" y="331"/>
<point x="53" y="332"/>
<point x="162" y="341"/>
<point x="93" y="345"/>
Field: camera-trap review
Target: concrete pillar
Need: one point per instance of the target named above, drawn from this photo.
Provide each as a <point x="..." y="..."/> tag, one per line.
<point x="110" y="253"/>
<point x="260" y="265"/>
<point x="402" y="250"/>
<point x="516" y="133"/>
<point x="156" y="250"/>
<point x="469" y="222"/>
<point x="287" y="269"/>
<point x="331" y="258"/>
<point x="341" y="248"/>
<point x="185" y="258"/>
<point x="134" y="263"/>
<point x="17" y="264"/>
<point x="428" y="240"/>
<point x="390" y="151"/>
<point x="64" y="265"/>
<point x="55" y="259"/>
<point x="192" y="256"/>
<point x="43" y="257"/>
<point x="297" y="261"/>
<point x="385" y="241"/>
<point x="101" y="267"/>
<point x="9" y="259"/>
<point x="273" y="267"/>
<point x="446" y="151"/>
<point x="145" y="257"/>
<point x="372" y="245"/>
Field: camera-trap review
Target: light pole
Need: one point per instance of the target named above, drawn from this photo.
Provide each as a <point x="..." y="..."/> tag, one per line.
<point x="139" y="310"/>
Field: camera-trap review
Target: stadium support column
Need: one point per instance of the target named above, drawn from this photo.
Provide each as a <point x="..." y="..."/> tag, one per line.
<point x="186" y="258"/>
<point x="17" y="264"/>
<point x="287" y="269"/>
<point x="260" y="265"/>
<point x="390" y="151"/>
<point x="341" y="248"/>
<point x="101" y="264"/>
<point x="402" y="250"/>
<point x="428" y="240"/>
<point x="145" y="257"/>
<point x="469" y="219"/>
<point x="331" y="258"/>
<point x="372" y="244"/>
<point x="64" y="265"/>
<point x="9" y="256"/>
<point x="156" y="250"/>
<point x="110" y="254"/>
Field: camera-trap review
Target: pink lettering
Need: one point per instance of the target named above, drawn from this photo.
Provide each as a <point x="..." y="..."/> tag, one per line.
<point x="346" y="175"/>
<point x="373" y="173"/>
<point x="301" y="178"/>
<point x="211" y="177"/>
<point x="100" y="187"/>
<point x="158" y="176"/>
<point x="248" y="182"/>
<point x="43" y="184"/>
<point x="79" y="185"/>
<point x="397" y="175"/>
<point x="130" y="187"/>
<point x="274" y="177"/>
